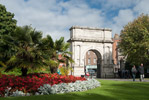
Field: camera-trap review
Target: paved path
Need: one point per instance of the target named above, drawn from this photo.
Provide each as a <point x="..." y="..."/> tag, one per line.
<point x="137" y="80"/>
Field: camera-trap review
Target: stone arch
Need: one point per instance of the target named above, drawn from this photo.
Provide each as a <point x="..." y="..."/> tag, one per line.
<point x="91" y="48"/>
<point x="83" y="39"/>
<point x="99" y="60"/>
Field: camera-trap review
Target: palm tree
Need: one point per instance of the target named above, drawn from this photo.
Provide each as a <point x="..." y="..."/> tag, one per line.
<point x="62" y="48"/>
<point x="29" y="54"/>
<point x="47" y="45"/>
<point x="59" y="47"/>
<point x="53" y="50"/>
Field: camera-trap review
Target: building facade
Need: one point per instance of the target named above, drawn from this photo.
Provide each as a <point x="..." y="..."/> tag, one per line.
<point x="90" y="62"/>
<point x="118" y="58"/>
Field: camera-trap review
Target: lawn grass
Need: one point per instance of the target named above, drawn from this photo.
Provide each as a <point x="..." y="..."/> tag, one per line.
<point x="109" y="90"/>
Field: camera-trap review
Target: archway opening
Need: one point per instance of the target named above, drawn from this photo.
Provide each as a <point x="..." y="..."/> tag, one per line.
<point x="92" y="63"/>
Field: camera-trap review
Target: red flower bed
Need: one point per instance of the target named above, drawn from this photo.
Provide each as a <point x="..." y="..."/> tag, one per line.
<point x="32" y="82"/>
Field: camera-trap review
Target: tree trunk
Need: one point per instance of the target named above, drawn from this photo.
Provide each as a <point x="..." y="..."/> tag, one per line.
<point x="53" y="70"/>
<point x="24" y="71"/>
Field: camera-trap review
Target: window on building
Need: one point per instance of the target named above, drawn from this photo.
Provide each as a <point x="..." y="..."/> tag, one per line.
<point x="95" y="60"/>
<point x="89" y="61"/>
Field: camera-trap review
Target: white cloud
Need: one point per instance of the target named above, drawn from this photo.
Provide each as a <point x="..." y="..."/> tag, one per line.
<point x="122" y="19"/>
<point x="128" y="10"/>
<point x="54" y="18"/>
<point x="142" y="7"/>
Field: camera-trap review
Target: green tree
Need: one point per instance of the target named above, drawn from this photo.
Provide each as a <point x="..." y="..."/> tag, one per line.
<point x="54" y="49"/>
<point x="61" y="48"/>
<point x="29" y="54"/>
<point x="47" y="45"/>
<point x="7" y="23"/>
<point x="135" y="40"/>
<point x="7" y="27"/>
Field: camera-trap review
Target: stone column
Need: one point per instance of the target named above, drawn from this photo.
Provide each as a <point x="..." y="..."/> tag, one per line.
<point x="104" y="54"/>
<point x="110" y="55"/>
<point x="79" y="55"/>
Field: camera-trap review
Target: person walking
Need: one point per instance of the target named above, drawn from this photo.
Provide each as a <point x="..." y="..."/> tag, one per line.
<point x="141" y="71"/>
<point x="134" y="71"/>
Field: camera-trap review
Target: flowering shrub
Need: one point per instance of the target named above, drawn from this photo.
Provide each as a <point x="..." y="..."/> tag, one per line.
<point x="70" y="87"/>
<point x="19" y="93"/>
<point x="32" y="82"/>
<point x="60" y="88"/>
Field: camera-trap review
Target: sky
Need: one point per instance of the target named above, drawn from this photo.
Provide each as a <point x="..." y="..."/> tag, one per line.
<point x="56" y="17"/>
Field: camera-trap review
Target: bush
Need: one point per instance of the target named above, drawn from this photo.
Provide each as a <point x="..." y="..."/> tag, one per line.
<point x="70" y="87"/>
<point x="32" y="82"/>
<point x="65" y="70"/>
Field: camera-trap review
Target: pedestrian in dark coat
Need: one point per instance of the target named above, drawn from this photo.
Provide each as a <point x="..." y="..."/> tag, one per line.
<point x="134" y="71"/>
<point x="141" y="71"/>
